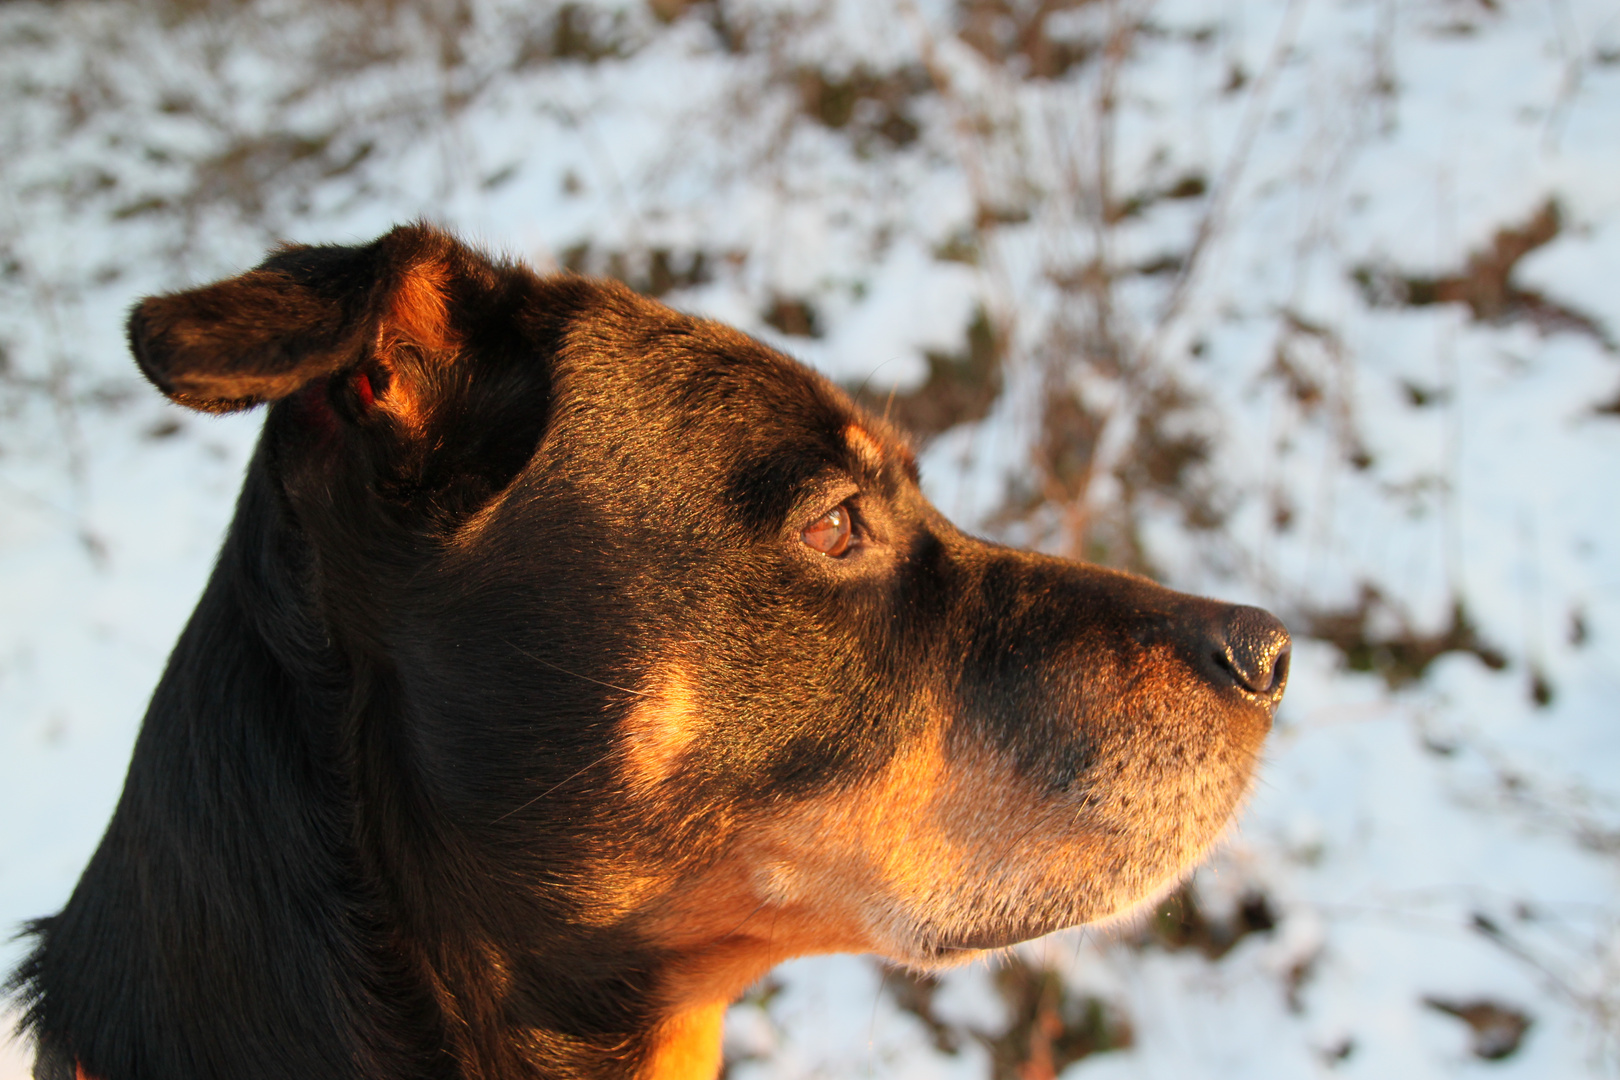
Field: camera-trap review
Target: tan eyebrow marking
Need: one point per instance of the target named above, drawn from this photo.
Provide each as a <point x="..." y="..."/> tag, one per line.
<point x="874" y="453"/>
<point x="867" y="448"/>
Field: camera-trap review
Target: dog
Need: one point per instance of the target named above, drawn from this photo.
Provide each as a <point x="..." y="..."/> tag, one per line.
<point x="569" y="663"/>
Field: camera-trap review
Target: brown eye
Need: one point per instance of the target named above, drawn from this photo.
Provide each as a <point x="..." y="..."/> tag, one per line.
<point x="829" y="534"/>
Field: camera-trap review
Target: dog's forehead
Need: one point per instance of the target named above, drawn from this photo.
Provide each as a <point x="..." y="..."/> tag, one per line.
<point x="685" y="384"/>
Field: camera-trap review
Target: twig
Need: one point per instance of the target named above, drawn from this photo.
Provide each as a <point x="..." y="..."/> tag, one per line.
<point x="1570" y="84"/>
<point x="1215" y="215"/>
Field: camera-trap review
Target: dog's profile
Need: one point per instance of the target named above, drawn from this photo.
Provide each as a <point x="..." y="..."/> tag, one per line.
<point x="569" y="663"/>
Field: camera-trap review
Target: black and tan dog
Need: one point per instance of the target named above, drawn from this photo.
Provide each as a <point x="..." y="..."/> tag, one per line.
<point x="569" y="663"/>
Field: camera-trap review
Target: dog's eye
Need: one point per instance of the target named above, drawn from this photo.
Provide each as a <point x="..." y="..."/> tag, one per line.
<point x="830" y="533"/>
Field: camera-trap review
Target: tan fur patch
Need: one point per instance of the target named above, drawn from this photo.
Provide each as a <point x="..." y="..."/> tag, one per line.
<point x="865" y="446"/>
<point x="687" y="1045"/>
<point x="418" y="316"/>
<point x="658" y="731"/>
<point x="419" y="311"/>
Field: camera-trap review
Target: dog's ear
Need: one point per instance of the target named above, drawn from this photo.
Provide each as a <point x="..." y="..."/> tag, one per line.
<point x="304" y="314"/>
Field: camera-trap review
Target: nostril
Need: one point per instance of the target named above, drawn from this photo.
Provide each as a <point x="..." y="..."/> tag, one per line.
<point x="1279" y="670"/>
<point x="1256" y="650"/>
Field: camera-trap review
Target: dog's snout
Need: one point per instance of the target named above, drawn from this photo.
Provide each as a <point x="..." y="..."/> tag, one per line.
<point x="1252" y="646"/>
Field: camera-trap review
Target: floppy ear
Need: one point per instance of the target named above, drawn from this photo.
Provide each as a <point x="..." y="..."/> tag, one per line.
<point x="305" y="313"/>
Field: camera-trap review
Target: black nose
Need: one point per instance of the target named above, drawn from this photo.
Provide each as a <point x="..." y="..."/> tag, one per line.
<point x="1253" y="647"/>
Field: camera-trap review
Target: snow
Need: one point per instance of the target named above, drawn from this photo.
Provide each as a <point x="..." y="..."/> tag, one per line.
<point x="1442" y="837"/>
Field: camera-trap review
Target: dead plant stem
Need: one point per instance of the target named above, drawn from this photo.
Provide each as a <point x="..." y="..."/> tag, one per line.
<point x="1214" y="217"/>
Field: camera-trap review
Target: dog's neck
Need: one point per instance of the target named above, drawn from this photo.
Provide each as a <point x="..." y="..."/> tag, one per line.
<point x="238" y="919"/>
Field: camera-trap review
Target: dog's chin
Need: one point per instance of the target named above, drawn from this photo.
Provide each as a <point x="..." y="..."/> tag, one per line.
<point x="986" y="940"/>
<point x="937" y="947"/>
<point x="940" y="947"/>
<point x="961" y="948"/>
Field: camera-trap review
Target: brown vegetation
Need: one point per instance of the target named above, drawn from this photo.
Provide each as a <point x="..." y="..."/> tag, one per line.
<point x="1485" y="283"/>
<point x="1401" y="656"/>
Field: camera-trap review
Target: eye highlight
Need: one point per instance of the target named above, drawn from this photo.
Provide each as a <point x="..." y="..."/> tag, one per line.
<point x="829" y="534"/>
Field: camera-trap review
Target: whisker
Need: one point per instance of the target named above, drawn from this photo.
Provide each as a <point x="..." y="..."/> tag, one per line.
<point x="745" y="920"/>
<point x="575" y="674"/>
<point x="870" y="375"/>
<point x="588" y="765"/>
<point x="575" y="775"/>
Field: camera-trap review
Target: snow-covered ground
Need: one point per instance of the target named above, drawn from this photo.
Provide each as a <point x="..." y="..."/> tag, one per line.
<point x="1305" y="302"/>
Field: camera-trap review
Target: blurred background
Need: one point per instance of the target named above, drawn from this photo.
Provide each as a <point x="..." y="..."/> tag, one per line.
<point x="1307" y="303"/>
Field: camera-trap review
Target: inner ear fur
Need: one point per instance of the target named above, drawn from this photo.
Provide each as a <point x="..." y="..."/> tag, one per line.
<point x="305" y="313"/>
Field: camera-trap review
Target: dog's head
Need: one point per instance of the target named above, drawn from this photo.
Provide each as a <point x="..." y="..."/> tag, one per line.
<point x="655" y="636"/>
